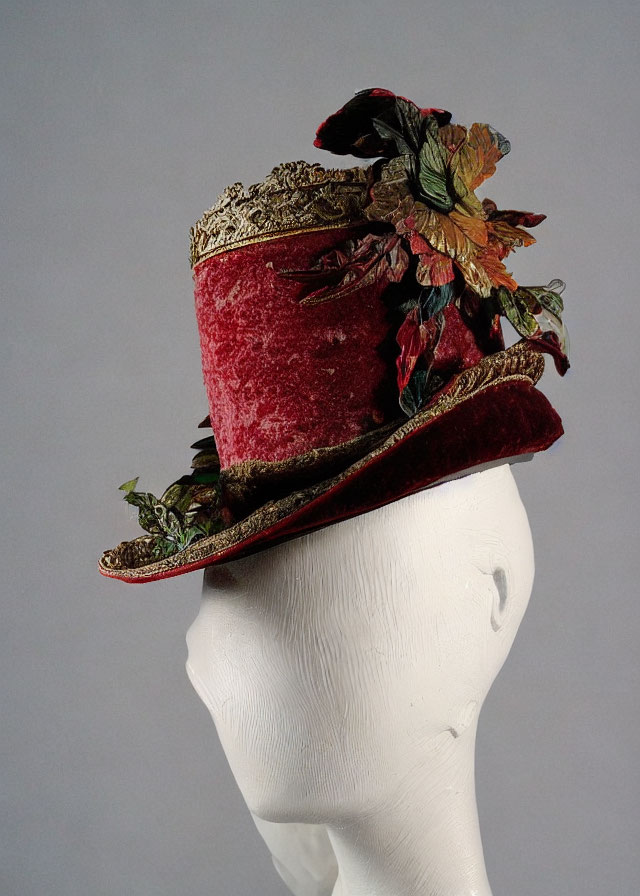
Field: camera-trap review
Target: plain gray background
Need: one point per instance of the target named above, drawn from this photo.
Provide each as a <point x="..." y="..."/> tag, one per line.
<point x="122" y="121"/>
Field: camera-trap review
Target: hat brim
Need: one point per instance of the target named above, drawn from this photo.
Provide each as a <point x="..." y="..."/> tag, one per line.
<point x="488" y="413"/>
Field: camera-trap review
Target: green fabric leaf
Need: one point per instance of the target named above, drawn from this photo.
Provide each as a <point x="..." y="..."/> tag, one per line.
<point x="146" y="504"/>
<point x="535" y="312"/>
<point x="130" y="485"/>
<point x="411" y="122"/>
<point x="389" y="133"/>
<point x="436" y="298"/>
<point x="206" y="477"/>
<point x="173" y="495"/>
<point x="432" y="171"/>
<point x="178" y="496"/>
<point x="517" y="310"/>
<point x="504" y="145"/>
<point x="163" y="548"/>
<point x="188" y="510"/>
<point x="156" y="517"/>
<point x="414" y="393"/>
<point x="548" y="296"/>
<point x="407" y="304"/>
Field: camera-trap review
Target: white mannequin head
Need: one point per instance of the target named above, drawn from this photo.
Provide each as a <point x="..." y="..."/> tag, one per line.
<point x="343" y="666"/>
<point x="369" y="638"/>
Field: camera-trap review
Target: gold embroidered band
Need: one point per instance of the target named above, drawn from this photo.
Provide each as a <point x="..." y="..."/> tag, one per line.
<point x="297" y="197"/>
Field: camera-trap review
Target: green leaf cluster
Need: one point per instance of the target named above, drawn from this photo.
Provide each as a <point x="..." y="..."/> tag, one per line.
<point x="534" y="309"/>
<point x="449" y="246"/>
<point x="176" y="519"/>
<point x="424" y="156"/>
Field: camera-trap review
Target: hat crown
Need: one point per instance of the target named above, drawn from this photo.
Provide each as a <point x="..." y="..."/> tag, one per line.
<point x="284" y="378"/>
<point x="295" y="197"/>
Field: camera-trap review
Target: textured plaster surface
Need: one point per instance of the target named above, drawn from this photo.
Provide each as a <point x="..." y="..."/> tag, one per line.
<point x="345" y="671"/>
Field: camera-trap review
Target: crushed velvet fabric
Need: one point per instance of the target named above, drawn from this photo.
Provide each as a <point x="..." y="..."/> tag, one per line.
<point x="283" y="378"/>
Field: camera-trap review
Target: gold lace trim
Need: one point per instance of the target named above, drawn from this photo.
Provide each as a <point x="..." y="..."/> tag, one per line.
<point x="516" y="363"/>
<point x="297" y="197"/>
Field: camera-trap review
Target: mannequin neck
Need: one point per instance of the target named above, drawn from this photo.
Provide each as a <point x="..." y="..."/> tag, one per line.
<point x="428" y="841"/>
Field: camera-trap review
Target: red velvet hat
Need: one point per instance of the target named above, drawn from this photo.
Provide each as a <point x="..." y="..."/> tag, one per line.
<point x="351" y="343"/>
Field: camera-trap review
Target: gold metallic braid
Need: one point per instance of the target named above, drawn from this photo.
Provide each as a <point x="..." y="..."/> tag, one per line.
<point x="519" y="362"/>
<point x="297" y="197"/>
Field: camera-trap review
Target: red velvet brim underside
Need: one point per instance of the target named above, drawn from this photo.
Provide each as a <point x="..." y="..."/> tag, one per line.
<point x="502" y="421"/>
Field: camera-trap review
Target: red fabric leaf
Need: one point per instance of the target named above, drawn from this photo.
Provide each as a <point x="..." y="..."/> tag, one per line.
<point x="509" y="237"/>
<point x="441" y="115"/>
<point x="350" y="130"/>
<point x="511" y="216"/>
<point x="351" y="267"/>
<point x="415" y="339"/>
<point x="434" y="268"/>
<point x="549" y="343"/>
<point x="417" y="243"/>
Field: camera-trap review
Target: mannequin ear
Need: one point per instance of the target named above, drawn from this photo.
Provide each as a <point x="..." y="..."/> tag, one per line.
<point x="498" y="583"/>
<point x="501" y="600"/>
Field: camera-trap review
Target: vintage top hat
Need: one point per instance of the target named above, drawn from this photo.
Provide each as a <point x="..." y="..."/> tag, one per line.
<point x="351" y="343"/>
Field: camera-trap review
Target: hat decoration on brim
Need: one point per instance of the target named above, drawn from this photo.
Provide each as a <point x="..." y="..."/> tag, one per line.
<point x="351" y="341"/>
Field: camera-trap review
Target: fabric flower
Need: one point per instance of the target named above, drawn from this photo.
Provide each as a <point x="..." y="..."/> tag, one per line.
<point x="431" y="235"/>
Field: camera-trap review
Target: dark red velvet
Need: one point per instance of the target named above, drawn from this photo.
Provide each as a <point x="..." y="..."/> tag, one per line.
<point x="504" y="420"/>
<point x="283" y="377"/>
<point x="460" y="346"/>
